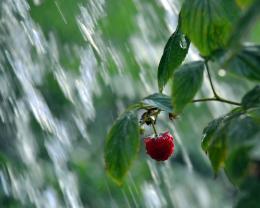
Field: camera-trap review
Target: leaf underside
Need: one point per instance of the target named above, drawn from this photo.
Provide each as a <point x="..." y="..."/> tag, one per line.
<point x="121" y="145"/>
<point x="187" y="80"/>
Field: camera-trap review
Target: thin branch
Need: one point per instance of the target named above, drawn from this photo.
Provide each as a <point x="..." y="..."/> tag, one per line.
<point x="218" y="99"/>
<point x="154" y="129"/>
<point x="204" y="100"/>
<point x="228" y="101"/>
<point x="210" y="80"/>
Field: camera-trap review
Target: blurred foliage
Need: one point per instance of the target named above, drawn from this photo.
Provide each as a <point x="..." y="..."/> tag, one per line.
<point x="245" y="63"/>
<point x="231" y="141"/>
<point x="59" y="17"/>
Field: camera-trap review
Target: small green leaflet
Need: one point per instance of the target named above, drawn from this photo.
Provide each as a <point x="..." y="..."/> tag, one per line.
<point x="217" y="153"/>
<point x="255" y="151"/>
<point x="215" y="138"/>
<point x="121" y="145"/>
<point x="208" y="23"/>
<point x="157" y="100"/>
<point x="246" y="63"/>
<point x="252" y="98"/>
<point x="242" y="131"/>
<point x="209" y="131"/>
<point x="214" y="142"/>
<point x="254" y="113"/>
<point x="250" y="194"/>
<point x="174" y="53"/>
<point x="236" y="165"/>
<point x="187" y="80"/>
<point x="243" y="26"/>
<point x="244" y="3"/>
<point x="216" y="128"/>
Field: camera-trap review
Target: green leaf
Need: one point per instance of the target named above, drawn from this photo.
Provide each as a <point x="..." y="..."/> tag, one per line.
<point x="217" y="126"/>
<point x="237" y="163"/>
<point x="232" y="133"/>
<point x="252" y="98"/>
<point x="246" y="63"/>
<point x="254" y="113"/>
<point x="208" y="23"/>
<point x="209" y="131"/>
<point x="157" y="100"/>
<point x="187" y="80"/>
<point x="214" y="140"/>
<point x="255" y="151"/>
<point x="242" y="131"/>
<point x="121" y="145"/>
<point x="173" y="55"/>
<point x="243" y="26"/>
<point x="65" y="26"/>
<point x="217" y="152"/>
<point x="250" y="194"/>
<point x="133" y="107"/>
<point x="244" y="3"/>
<point x="54" y="96"/>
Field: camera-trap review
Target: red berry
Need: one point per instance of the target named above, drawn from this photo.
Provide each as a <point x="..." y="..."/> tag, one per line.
<point x="160" y="148"/>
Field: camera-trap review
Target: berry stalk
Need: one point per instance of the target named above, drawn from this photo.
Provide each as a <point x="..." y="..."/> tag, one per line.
<point x="154" y="129"/>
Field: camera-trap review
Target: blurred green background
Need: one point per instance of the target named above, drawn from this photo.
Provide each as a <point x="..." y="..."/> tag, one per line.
<point x="67" y="69"/>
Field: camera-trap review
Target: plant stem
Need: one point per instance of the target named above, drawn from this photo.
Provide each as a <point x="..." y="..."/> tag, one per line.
<point x="155" y="132"/>
<point x="219" y="99"/>
<point x="216" y="96"/>
<point x="210" y="80"/>
<point x="156" y="114"/>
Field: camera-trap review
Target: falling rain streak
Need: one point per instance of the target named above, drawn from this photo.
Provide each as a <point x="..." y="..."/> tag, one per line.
<point x="59" y="97"/>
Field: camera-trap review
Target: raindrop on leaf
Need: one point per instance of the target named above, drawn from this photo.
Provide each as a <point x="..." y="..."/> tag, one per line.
<point x="183" y="42"/>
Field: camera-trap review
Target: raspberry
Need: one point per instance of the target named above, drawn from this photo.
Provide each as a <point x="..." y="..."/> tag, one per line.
<point x="160" y="148"/>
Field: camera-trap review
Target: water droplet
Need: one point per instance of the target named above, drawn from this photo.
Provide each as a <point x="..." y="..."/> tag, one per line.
<point x="222" y="72"/>
<point x="183" y="42"/>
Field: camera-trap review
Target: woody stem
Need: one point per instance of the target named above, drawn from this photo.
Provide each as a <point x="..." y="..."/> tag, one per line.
<point x="210" y="80"/>
<point x="154" y="129"/>
<point x="219" y="99"/>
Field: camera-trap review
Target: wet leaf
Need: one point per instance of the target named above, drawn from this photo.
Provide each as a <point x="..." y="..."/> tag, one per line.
<point x="252" y="98"/>
<point x="121" y="145"/>
<point x="173" y="55"/>
<point x="157" y="100"/>
<point x="58" y="17"/>
<point x="242" y="131"/>
<point x="254" y="113"/>
<point x="209" y="131"/>
<point x="246" y="63"/>
<point x="245" y="23"/>
<point x="215" y="138"/>
<point x="249" y="195"/>
<point x="208" y="24"/>
<point x="217" y="152"/>
<point x="255" y="151"/>
<point x="237" y="164"/>
<point x="244" y="3"/>
<point x="187" y="80"/>
<point x="54" y="96"/>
